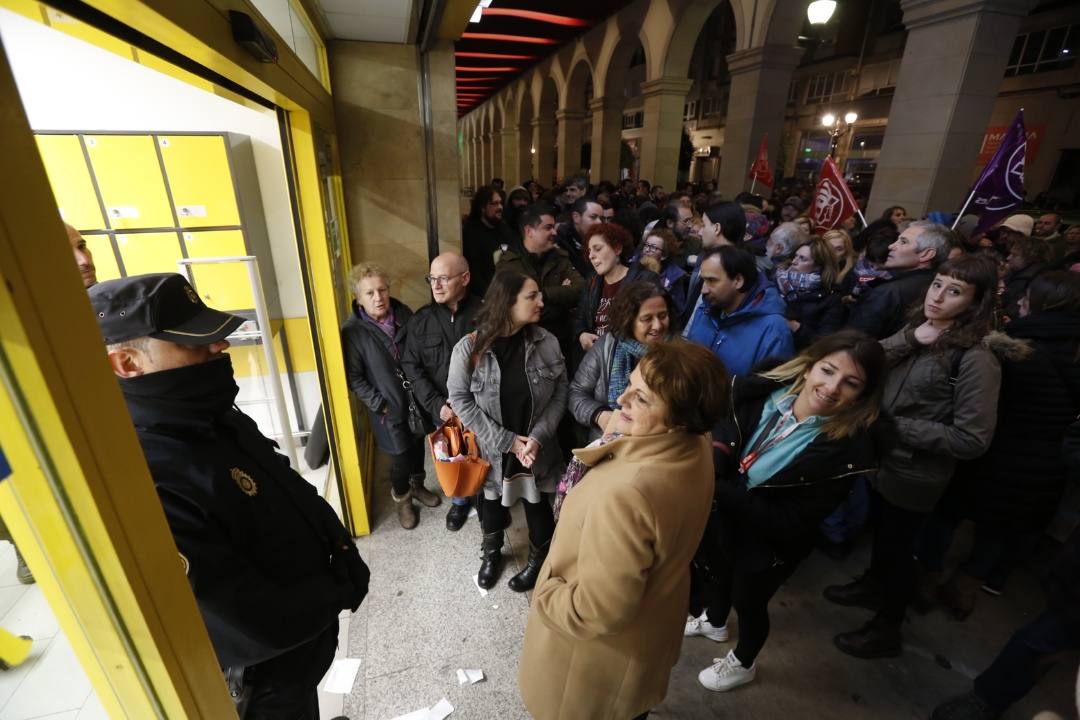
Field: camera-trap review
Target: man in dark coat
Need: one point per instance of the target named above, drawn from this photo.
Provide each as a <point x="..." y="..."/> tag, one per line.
<point x="432" y="334"/>
<point x="882" y="311"/>
<point x="584" y="213"/>
<point x="270" y="564"/>
<point x="484" y="235"/>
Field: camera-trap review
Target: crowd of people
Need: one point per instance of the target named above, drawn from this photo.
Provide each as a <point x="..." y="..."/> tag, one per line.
<point x="688" y="395"/>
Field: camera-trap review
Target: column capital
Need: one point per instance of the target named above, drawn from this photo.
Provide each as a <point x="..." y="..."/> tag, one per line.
<point x="541" y="122"/>
<point x="666" y="86"/>
<point x="765" y="57"/>
<point x="918" y="13"/>
<point x="509" y="130"/>
<point x="564" y="115"/>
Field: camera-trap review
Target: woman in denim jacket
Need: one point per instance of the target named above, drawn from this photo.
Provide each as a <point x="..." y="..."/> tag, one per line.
<point x="508" y="384"/>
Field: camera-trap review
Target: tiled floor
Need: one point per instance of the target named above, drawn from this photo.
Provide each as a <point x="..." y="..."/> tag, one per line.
<point x="50" y="684"/>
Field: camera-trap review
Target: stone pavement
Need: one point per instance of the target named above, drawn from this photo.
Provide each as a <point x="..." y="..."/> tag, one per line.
<point x="424" y="618"/>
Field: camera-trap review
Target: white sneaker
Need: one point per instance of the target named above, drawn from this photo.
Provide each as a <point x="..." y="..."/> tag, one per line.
<point x="701" y="626"/>
<point x="726" y="673"/>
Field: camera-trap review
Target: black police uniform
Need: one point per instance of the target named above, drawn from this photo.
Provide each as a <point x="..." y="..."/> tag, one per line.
<point x="263" y="552"/>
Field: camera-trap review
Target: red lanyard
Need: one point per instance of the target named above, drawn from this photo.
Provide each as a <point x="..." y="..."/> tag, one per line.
<point x="769" y="439"/>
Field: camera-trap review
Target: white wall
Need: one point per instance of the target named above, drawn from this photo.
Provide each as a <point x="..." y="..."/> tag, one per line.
<point x="67" y="84"/>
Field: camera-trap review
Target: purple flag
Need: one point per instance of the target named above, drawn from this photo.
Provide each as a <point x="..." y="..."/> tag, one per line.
<point x="1000" y="188"/>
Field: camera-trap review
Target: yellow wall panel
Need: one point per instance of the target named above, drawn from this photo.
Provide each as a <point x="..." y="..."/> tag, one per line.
<point x="167" y="68"/>
<point x="26" y="8"/>
<point x="200" y="180"/>
<point x="129" y="176"/>
<point x="104" y="259"/>
<point x="149" y="252"/>
<point x="226" y="286"/>
<point x="70" y="180"/>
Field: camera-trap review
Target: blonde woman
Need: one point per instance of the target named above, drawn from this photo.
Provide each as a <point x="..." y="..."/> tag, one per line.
<point x="844" y="250"/>
<point x="372" y="340"/>
<point x="810" y="290"/>
<point x="787" y="454"/>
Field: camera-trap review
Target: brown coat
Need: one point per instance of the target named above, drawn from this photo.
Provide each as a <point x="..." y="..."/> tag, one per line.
<point x="606" y="622"/>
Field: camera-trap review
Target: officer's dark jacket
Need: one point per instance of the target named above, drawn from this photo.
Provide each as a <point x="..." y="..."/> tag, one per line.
<point x="883" y="310"/>
<point x="255" y="538"/>
<point x="429" y="340"/>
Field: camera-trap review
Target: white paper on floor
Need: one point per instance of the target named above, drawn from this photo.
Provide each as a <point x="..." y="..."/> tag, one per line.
<point x="438" y="711"/>
<point x="469" y="677"/>
<point x="476" y="581"/>
<point x="341" y="676"/>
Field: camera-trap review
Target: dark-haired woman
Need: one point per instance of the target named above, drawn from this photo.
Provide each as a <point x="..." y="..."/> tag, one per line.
<point x="942" y="394"/>
<point x="640" y="317"/>
<point x="1027" y="258"/>
<point x="607" y="245"/>
<point x="603" y="630"/>
<point x="895" y="214"/>
<point x="1013" y="490"/>
<point x="787" y="455"/>
<point x="507" y="383"/>
<point x="813" y="306"/>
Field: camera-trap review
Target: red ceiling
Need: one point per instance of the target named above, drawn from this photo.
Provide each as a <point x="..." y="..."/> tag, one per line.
<point x="514" y="35"/>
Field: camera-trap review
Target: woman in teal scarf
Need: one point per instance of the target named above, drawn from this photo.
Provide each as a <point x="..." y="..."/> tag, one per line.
<point x="641" y="315"/>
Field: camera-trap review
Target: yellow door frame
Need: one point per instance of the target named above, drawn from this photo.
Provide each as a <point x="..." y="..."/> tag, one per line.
<point x="80" y="500"/>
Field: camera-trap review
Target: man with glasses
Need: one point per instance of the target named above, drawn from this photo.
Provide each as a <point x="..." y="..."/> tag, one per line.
<point x="584" y="213"/>
<point x="430" y="339"/>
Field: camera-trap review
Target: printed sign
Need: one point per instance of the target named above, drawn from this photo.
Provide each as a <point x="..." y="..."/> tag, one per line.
<point x="992" y="141"/>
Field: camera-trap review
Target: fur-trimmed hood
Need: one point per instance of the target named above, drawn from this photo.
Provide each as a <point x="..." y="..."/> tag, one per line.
<point x="1006" y="347"/>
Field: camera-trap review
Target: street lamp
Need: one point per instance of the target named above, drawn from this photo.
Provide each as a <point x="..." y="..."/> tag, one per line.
<point x="819" y="11"/>
<point x="838" y="128"/>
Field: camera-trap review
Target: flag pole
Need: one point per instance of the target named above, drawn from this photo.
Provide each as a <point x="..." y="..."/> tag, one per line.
<point x="864" y="223"/>
<point x="752" y="181"/>
<point x="966" y="203"/>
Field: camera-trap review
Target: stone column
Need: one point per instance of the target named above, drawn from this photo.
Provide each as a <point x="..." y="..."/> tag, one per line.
<point x="760" y="78"/>
<point x="496" y="154"/>
<point x="570" y="134"/>
<point x="524" y="167"/>
<point x="954" y="61"/>
<point x="606" y="138"/>
<point x="510" y="170"/>
<point x="544" y="142"/>
<point x="662" y="134"/>
<point x="485" y="158"/>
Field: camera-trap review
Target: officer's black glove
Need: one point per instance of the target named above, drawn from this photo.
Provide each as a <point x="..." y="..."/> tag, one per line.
<point x="351" y="574"/>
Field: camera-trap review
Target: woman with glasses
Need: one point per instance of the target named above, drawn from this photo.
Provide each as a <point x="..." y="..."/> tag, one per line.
<point x="373" y="339"/>
<point x="659" y="253"/>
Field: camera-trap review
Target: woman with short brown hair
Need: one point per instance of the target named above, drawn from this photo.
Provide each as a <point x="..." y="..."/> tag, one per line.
<point x="604" y="625"/>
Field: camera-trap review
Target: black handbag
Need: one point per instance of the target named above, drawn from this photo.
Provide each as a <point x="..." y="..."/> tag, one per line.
<point x="418" y="424"/>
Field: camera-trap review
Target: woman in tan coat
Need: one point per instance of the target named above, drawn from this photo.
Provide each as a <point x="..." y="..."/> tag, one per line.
<point x="606" y="621"/>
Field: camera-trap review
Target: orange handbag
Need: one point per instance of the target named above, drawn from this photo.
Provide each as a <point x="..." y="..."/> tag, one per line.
<point x="464" y="478"/>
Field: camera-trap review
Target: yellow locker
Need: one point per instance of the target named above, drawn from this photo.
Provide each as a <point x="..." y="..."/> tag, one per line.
<point x="70" y="180"/>
<point x="101" y="249"/>
<point x="225" y="286"/>
<point x="197" y="167"/>
<point x="130" y="180"/>
<point x="149" y="252"/>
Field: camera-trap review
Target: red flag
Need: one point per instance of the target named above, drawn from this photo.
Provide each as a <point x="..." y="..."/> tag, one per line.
<point x="760" y="171"/>
<point x="833" y="201"/>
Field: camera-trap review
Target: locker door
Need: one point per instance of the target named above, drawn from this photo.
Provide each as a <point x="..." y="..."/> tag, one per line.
<point x="129" y="176"/>
<point x="197" y="167"/>
<point x="104" y="259"/>
<point x="226" y="286"/>
<point x="149" y="252"/>
<point x="63" y="158"/>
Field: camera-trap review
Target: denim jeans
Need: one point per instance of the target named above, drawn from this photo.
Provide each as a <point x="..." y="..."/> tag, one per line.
<point x="1020" y="664"/>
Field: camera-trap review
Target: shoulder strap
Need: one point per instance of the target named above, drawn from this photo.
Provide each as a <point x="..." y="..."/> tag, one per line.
<point x="954" y="366"/>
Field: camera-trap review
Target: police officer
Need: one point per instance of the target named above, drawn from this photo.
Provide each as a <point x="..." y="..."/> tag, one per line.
<point x="270" y="564"/>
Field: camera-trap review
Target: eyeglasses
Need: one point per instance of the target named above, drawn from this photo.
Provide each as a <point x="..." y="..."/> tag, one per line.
<point x="652" y="249"/>
<point x="441" y="279"/>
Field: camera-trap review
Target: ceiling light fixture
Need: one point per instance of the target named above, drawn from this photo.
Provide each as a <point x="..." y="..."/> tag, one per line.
<point x="538" y="17"/>
<point x="819" y="11"/>
<point x="493" y="56"/>
<point x="509" y="38"/>
<point x="477" y="14"/>
<point x="506" y="68"/>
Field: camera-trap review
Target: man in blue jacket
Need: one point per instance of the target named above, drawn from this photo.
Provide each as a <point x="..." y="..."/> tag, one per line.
<point x="741" y="316"/>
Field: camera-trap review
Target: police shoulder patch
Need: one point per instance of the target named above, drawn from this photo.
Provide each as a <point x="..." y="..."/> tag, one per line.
<point x="244" y="481"/>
